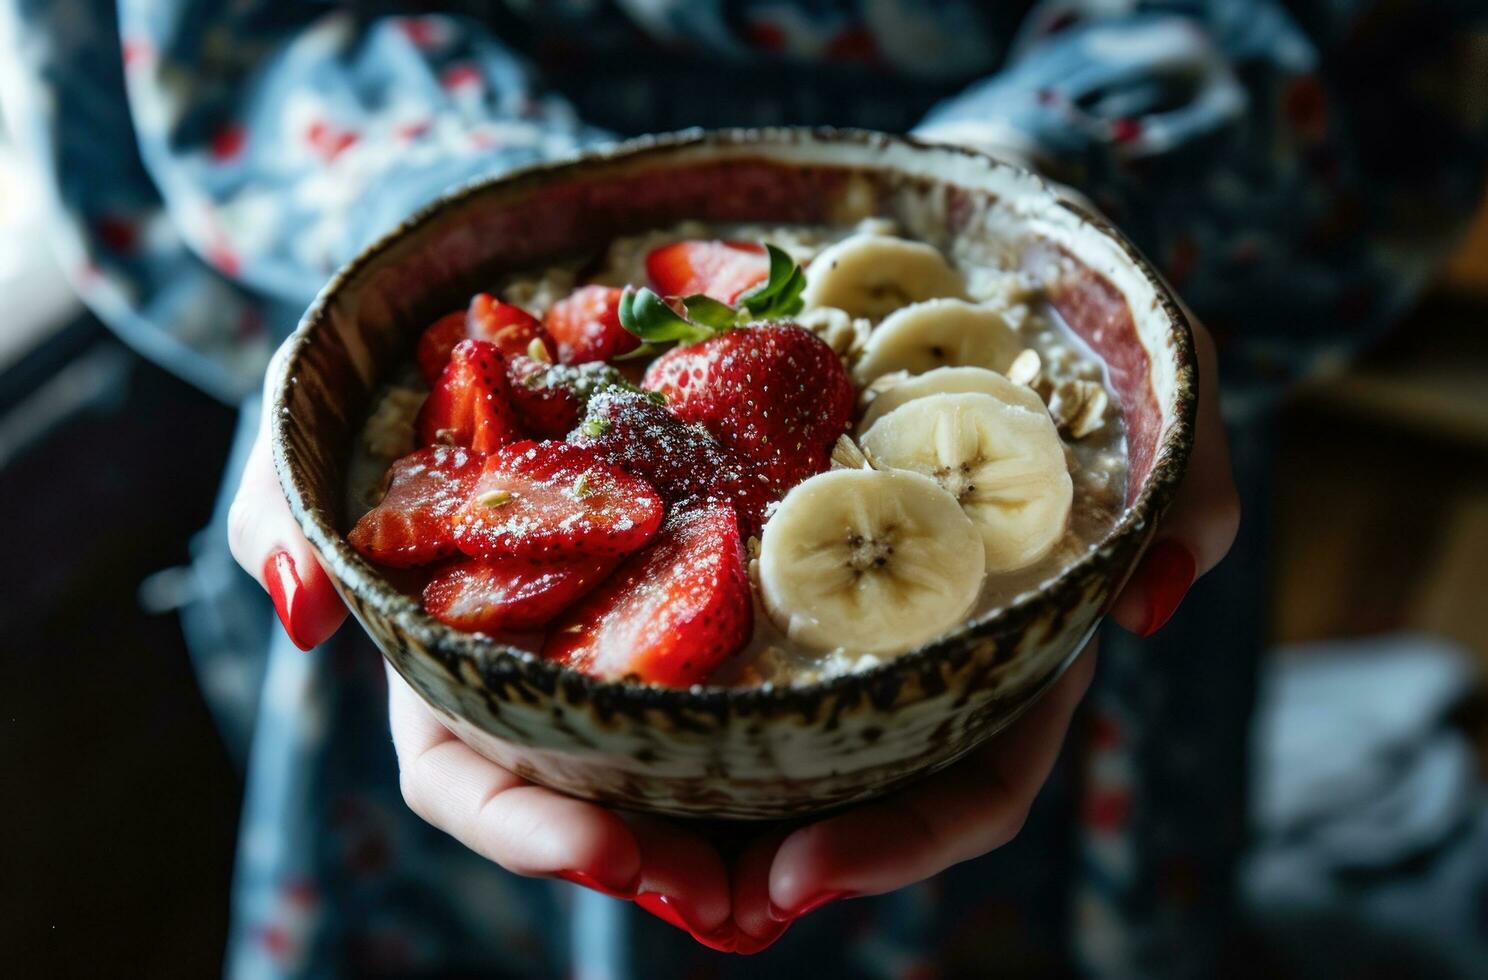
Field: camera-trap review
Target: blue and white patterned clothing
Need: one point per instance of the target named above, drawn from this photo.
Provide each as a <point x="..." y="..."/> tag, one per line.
<point x="1296" y="168"/>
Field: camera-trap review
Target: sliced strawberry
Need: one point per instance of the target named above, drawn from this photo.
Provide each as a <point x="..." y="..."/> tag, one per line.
<point x="545" y="405"/>
<point x="775" y="393"/>
<point x="500" y="594"/>
<point x="471" y="402"/>
<point x="437" y="342"/>
<point x="683" y="462"/>
<point x="411" y="525"/>
<point x="720" y="269"/>
<point x="511" y="328"/>
<point x="671" y="613"/>
<point x="586" y="326"/>
<point x="552" y="500"/>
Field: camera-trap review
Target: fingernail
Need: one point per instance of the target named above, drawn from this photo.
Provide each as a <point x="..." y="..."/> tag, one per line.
<point x="283" y="584"/>
<point x="721" y="939"/>
<point x="1167" y="574"/>
<point x="807" y="907"/>
<point x="747" y="945"/>
<point x="583" y="879"/>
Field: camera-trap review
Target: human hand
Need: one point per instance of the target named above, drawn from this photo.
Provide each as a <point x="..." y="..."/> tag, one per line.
<point x="533" y="831"/>
<point x="267" y="542"/>
<point x="963" y="812"/>
<point x="678" y="874"/>
<point x="674" y="871"/>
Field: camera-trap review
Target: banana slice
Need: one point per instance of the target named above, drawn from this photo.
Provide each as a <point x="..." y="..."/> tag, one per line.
<point x="939" y="333"/>
<point x="870" y="561"/>
<point x="874" y="275"/>
<point x="1005" y="464"/>
<point x="949" y="381"/>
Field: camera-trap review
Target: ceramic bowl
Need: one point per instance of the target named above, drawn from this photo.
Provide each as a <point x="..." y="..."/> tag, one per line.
<point x="719" y="752"/>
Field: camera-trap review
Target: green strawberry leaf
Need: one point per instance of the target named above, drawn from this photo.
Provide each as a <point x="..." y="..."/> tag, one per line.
<point x="710" y="313"/>
<point x="655" y="321"/>
<point x="643" y="351"/>
<point x="779" y="295"/>
<point x="648" y="316"/>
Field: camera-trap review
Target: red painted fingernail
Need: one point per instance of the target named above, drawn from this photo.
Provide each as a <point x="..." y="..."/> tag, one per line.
<point x="747" y="945"/>
<point x="283" y="583"/>
<point x="1167" y="574"/>
<point x="721" y="939"/>
<point x="807" y="907"/>
<point x="585" y="880"/>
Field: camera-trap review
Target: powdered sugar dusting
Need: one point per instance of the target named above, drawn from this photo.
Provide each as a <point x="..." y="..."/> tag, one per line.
<point x="537" y="514"/>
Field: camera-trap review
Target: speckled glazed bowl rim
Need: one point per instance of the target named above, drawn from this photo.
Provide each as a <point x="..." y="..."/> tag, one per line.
<point x="489" y="657"/>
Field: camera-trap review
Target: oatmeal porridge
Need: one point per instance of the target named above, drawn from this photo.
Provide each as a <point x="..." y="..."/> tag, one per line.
<point x="740" y="455"/>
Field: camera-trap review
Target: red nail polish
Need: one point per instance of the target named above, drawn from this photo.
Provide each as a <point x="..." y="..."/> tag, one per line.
<point x="592" y="883"/>
<point x="283" y="584"/>
<point x="807" y="907"/>
<point x="721" y="939"/>
<point x="747" y="945"/>
<point x="1167" y="573"/>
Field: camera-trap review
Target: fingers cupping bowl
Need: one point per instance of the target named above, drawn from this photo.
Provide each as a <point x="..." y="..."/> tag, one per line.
<point x="726" y="503"/>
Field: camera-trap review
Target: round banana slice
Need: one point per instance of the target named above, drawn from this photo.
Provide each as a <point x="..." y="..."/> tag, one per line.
<point x="874" y="275"/>
<point x="870" y="561"/>
<point x="939" y="333"/>
<point x="1005" y="464"/>
<point x="949" y="381"/>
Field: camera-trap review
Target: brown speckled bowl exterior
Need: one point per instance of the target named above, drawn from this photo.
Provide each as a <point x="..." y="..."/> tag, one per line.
<point x="716" y="752"/>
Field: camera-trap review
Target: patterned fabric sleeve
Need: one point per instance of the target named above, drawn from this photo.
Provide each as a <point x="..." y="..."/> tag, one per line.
<point x="215" y="162"/>
<point x="1297" y="170"/>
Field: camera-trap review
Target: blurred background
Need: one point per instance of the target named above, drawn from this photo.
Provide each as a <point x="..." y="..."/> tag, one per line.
<point x="1377" y="571"/>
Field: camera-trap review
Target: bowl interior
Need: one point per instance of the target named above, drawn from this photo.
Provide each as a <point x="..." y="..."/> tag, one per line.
<point x="368" y="318"/>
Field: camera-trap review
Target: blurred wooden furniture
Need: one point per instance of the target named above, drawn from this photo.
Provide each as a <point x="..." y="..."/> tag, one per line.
<point x="1468" y="270"/>
<point x="1382" y="489"/>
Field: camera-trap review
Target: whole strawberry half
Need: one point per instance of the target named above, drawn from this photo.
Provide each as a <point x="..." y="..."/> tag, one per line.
<point x="682" y="461"/>
<point x="411" y="524"/>
<point x="775" y="393"/>
<point x="719" y="269"/>
<point x="669" y="615"/>
<point x="471" y="402"/>
<point x="504" y="594"/>
<point x="545" y="406"/>
<point x="552" y="500"/>
<point x="549" y="398"/>
<point x="510" y="328"/>
<point x="586" y="326"/>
